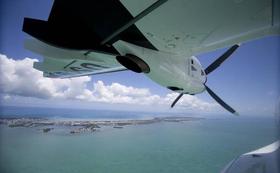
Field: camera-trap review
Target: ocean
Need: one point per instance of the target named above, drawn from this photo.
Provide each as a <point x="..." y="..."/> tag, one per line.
<point x="203" y="146"/>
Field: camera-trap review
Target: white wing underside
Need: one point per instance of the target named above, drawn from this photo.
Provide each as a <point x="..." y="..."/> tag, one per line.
<point x="190" y="27"/>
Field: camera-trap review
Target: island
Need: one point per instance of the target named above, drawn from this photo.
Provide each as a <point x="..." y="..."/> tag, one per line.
<point x="78" y="126"/>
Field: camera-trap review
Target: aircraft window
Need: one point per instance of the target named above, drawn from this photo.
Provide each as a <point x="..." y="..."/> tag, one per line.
<point x="193" y="68"/>
<point x="202" y="73"/>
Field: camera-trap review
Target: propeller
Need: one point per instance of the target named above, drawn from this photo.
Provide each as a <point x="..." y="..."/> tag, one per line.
<point x="220" y="101"/>
<point x="221" y="59"/>
<point x="176" y="100"/>
<point x="210" y="69"/>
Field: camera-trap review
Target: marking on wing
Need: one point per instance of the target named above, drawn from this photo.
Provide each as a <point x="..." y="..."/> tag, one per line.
<point x="86" y="67"/>
<point x="72" y="62"/>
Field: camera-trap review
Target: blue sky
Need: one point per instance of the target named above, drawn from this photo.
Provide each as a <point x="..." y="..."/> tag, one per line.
<point x="249" y="80"/>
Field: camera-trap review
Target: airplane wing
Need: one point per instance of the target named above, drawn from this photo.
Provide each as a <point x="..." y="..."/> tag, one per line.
<point x="63" y="63"/>
<point x="265" y="159"/>
<point x="188" y="27"/>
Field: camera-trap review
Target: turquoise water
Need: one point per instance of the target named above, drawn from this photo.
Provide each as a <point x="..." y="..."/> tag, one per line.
<point x="196" y="147"/>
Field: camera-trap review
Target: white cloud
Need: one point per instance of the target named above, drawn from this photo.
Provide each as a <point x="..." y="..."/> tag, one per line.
<point x="18" y="78"/>
<point x="6" y="97"/>
<point x="117" y="93"/>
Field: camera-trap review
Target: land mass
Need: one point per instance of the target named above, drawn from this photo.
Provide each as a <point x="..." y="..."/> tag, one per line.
<point x="46" y="125"/>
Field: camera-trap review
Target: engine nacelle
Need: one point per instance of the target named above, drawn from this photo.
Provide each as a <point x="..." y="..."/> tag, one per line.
<point x="133" y="63"/>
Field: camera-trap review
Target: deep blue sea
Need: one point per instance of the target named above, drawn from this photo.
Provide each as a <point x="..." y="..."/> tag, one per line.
<point x="203" y="146"/>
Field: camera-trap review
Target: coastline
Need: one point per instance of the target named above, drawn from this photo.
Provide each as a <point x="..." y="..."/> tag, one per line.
<point x="79" y="126"/>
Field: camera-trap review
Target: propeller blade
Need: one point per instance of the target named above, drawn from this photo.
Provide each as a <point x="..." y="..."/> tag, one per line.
<point x="221" y="59"/>
<point x="220" y="101"/>
<point x="176" y="100"/>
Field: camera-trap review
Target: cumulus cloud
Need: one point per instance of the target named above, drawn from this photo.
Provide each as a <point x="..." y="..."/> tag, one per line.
<point x="18" y="78"/>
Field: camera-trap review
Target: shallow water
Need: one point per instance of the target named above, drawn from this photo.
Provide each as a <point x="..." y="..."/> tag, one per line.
<point x="195" y="146"/>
